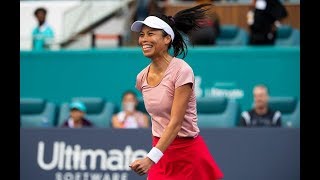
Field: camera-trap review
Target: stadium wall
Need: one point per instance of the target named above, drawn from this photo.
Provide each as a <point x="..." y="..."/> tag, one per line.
<point x="220" y="71"/>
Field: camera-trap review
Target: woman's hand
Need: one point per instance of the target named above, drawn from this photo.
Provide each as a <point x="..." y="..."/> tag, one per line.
<point x="141" y="166"/>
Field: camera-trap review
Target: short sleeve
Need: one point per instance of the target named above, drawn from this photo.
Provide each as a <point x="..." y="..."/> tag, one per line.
<point x="139" y="79"/>
<point x="138" y="82"/>
<point x="184" y="76"/>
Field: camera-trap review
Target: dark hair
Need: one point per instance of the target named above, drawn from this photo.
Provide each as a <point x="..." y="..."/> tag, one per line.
<point x="129" y="92"/>
<point x="39" y="10"/>
<point x="184" y="21"/>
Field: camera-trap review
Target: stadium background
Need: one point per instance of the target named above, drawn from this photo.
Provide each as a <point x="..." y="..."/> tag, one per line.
<point x="88" y="59"/>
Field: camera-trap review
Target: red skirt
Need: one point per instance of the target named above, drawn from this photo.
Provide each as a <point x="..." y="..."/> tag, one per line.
<point x="185" y="159"/>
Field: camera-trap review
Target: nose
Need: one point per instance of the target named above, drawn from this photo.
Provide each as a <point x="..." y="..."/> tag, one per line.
<point x="142" y="40"/>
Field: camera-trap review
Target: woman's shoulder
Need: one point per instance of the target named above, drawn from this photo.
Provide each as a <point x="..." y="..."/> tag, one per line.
<point x="181" y="65"/>
<point x="142" y="72"/>
<point x="181" y="62"/>
<point x="140" y="77"/>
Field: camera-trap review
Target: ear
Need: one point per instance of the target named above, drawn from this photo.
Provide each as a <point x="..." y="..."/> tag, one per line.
<point x="167" y="40"/>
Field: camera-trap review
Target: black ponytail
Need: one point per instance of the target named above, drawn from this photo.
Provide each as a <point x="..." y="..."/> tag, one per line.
<point x="184" y="21"/>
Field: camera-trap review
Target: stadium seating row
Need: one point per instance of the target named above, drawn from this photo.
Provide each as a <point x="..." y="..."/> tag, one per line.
<point x="232" y="35"/>
<point x="212" y="112"/>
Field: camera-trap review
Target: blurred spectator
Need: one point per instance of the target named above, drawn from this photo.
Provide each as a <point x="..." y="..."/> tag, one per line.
<point x="263" y="19"/>
<point x="208" y="32"/>
<point x="76" y="118"/>
<point x="261" y="115"/>
<point x="42" y="34"/>
<point x="130" y="117"/>
<point x="142" y="9"/>
<point x="147" y="7"/>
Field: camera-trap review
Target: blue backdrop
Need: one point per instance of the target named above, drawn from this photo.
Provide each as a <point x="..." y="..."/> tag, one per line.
<point x="104" y="154"/>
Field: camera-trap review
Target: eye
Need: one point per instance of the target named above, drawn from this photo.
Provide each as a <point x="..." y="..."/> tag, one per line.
<point x="141" y="34"/>
<point x="150" y="34"/>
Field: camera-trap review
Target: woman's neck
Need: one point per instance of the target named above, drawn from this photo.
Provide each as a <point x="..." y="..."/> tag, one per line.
<point x="160" y="63"/>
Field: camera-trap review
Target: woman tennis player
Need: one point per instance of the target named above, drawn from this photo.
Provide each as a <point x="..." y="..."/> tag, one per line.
<point x="167" y="85"/>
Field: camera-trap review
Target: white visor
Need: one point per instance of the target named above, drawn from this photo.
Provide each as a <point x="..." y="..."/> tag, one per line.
<point x="153" y="22"/>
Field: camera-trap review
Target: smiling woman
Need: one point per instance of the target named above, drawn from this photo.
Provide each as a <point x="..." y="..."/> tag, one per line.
<point x="167" y="86"/>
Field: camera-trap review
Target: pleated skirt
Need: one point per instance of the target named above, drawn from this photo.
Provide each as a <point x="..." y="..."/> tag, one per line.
<point x="185" y="159"/>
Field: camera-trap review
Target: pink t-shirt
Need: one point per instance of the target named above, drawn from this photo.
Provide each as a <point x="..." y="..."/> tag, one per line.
<point x="158" y="100"/>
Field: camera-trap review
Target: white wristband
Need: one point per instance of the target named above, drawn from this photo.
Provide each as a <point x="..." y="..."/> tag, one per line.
<point x="155" y="154"/>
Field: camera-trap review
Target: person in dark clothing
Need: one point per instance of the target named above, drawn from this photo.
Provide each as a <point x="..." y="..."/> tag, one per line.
<point x="261" y="115"/>
<point x="262" y="20"/>
<point x="76" y="118"/>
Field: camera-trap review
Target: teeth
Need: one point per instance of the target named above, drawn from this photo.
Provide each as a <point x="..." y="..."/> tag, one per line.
<point x="146" y="47"/>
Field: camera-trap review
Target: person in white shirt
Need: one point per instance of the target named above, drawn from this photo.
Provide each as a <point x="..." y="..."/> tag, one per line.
<point x="130" y="117"/>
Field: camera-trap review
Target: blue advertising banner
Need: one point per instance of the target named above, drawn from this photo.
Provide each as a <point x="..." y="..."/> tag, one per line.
<point x="105" y="154"/>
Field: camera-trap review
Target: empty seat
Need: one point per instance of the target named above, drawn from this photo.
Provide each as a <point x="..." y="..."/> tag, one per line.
<point x="287" y="36"/>
<point x="37" y="112"/>
<point x="289" y="108"/>
<point x="232" y="35"/>
<point x="217" y="112"/>
<point x="99" y="111"/>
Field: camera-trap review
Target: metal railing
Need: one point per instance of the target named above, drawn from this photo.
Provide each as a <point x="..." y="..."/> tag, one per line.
<point x="87" y="15"/>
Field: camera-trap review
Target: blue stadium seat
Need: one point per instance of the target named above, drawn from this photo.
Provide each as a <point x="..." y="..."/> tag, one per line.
<point x="289" y="108"/>
<point x="37" y="112"/>
<point x="232" y="35"/>
<point x="287" y="36"/>
<point x="217" y="112"/>
<point x="99" y="111"/>
<point x="244" y="1"/>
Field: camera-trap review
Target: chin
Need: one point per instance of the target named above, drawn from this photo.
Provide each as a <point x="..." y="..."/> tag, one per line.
<point x="148" y="55"/>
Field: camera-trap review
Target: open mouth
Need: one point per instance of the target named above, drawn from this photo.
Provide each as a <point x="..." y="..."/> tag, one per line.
<point x="146" y="47"/>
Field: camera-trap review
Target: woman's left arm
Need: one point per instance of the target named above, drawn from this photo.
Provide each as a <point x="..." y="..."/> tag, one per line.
<point x="181" y="98"/>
